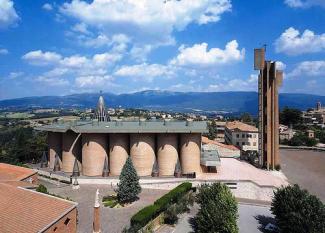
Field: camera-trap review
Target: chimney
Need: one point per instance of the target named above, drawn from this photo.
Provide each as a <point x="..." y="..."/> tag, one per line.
<point x="96" y="223"/>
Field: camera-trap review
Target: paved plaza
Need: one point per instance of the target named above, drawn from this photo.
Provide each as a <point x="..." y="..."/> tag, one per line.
<point x="112" y="220"/>
<point x="306" y="168"/>
<point x="236" y="170"/>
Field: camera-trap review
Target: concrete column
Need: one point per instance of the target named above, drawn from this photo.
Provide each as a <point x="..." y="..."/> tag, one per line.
<point x="54" y="140"/>
<point x="96" y="222"/>
<point x="167" y="145"/>
<point x="142" y="151"/>
<point x="190" y="152"/>
<point x="71" y="150"/>
<point x="94" y="151"/>
<point x="118" y="152"/>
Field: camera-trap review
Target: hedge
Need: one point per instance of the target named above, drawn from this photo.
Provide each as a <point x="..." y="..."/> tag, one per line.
<point x="141" y="218"/>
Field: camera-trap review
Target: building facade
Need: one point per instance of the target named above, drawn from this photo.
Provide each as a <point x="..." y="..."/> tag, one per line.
<point x="92" y="143"/>
<point x="241" y="135"/>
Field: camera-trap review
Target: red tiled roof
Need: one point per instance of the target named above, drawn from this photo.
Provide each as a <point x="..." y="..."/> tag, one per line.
<point x="23" y="210"/>
<point x="206" y="140"/>
<point x="11" y="172"/>
<point x="233" y="125"/>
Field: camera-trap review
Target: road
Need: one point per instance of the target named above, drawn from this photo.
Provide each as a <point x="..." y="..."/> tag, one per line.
<point x="252" y="218"/>
<point x="306" y="168"/>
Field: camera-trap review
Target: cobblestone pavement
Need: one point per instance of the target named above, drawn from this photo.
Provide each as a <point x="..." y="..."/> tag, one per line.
<point x="306" y="168"/>
<point x="112" y="220"/>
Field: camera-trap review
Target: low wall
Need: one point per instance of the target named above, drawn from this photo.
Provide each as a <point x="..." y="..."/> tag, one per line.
<point x="245" y="189"/>
<point x="302" y="148"/>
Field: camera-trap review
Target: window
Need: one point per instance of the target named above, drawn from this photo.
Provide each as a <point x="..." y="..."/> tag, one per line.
<point x="248" y="143"/>
<point x="243" y="135"/>
<point x="66" y="222"/>
<point x="254" y="135"/>
<point x="237" y="143"/>
<point x="243" y="143"/>
<point x="254" y="143"/>
<point x="237" y="135"/>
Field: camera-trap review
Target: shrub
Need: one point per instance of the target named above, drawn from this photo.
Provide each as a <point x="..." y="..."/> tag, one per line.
<point x="218" y="210"/>
<point x="145" y="215"/>
<point x="129" y="187"/>
<point x="42" y="189"/>
<point x="277" y="167"/>
<point x="296" y="211"/>
<point x="171" y="215"/>
<point x="173" y="196"/>
<point x="141" y="218"/>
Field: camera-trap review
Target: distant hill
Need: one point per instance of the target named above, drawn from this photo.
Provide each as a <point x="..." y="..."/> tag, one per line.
<point x="234" y="102"/>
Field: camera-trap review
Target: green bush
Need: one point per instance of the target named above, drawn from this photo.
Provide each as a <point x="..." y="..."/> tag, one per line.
<point x="170" y="215"/>
<point x="145" y="215"/>
<point x="42" y="189"/>
<point x="218" y="210"/>
<point x="141" y="218"/>
<point x="297" y="211"/>
<point x="173" y="196"/>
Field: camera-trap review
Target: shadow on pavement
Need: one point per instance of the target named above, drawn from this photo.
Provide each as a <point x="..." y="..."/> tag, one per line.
<point x="263" y="221"/>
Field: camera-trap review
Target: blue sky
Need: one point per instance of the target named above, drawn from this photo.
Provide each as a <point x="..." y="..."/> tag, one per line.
<point x="66" y="47"/>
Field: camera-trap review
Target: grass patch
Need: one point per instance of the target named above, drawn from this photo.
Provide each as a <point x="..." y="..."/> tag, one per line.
<point x="111" y="201"/>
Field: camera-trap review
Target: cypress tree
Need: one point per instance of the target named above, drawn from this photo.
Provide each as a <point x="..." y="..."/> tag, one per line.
<point x="129" y="188"/>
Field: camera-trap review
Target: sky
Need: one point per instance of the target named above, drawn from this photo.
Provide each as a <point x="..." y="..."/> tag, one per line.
<point x="121" y="46"/>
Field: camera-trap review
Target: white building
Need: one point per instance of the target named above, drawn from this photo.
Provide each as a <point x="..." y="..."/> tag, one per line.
<point x="241" y="135"/>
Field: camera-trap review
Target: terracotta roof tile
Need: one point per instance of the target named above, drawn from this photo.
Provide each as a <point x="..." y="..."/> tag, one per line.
<point x="11" y="172"/>
<point x="23" y="210"/>
<point x="233" y="125"/>
<point x="206" y="140"/>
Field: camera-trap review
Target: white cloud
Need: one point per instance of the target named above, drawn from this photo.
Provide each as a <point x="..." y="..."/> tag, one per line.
<point x="280" y="65"/>
<point x="304" y="3"/>
<point x="308" y="69"/>
<point x="199" y="55"/>
<point x="101" y="60"/>
<point x="93" y="68"/>
<point x="292" y="43"/>
<point x="92" y="81"/>
<point x="47" y="7"/>
<point x="140" y="53"/>
<point x="145" y="71"/>
<point x="38" y="57"/>
<point x="52" y="81"/>
<point x="146" y="20"/>
<point x="4" y="51"/>
<point x="14" y="75"/>
<point x="236" y="85"/>
<point x="8" y="15"/>
<point x="80" y="27"/>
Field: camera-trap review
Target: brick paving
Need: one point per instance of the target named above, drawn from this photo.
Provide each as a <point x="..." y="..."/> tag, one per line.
<point x="112" y="220"/>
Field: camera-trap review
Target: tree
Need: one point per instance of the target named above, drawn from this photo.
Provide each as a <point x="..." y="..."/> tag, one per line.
<point x="297" y="211"/>
<point x="218" y="210"/>
<point x="212" y="130"/>
<point x="129" y="188"/>
<point x="290" y="116"/>
<point x="246" y="117"/>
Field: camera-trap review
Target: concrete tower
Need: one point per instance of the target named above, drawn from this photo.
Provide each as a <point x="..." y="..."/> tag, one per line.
<point x="318" y="106"/>
<point x="269" y="81"/>
<point x="100" y="113"/>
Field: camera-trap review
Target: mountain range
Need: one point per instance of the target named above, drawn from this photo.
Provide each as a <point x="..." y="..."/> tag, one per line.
<point x="231" y="102"/>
